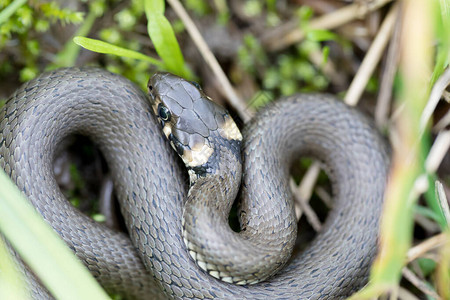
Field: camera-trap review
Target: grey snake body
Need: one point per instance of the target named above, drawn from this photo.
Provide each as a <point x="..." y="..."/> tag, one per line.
<point x="116" y="115"/>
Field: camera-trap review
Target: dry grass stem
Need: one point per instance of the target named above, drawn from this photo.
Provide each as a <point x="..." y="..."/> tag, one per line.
<point x="443" y="203"/>
<point x="329" y="21"/>
<point x="387" y="78"/>
<point x="302" y="206"/>
<point x="421" y="185"/>
<point x="437" y="152"/>
<point x="303" y="192"/>
<point x="419" y="283"/>
<point x="443" y="122"/>
<point x="429" y="225"/>
<point x="227" y="90"/>
<point x="435" y="95"/>
<point x="304" y="189"/>
<point x="324" y="196"/>
<point x="404" y="294"/>
<point x="446" y="96"/>
<point x="421" y="249"/>
<point x="297" y="206"/>
<point x="372" y="58"/>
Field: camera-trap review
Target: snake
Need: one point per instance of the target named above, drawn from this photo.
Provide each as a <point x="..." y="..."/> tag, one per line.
<point x="176" y="203"/>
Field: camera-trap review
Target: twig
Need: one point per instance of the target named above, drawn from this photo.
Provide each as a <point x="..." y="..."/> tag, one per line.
<point x="437" y="152"/>
<point x="427" y="245"/>
<point x="302" y="194"/>
<point x="208" y="56"/>
<point x="309" y="179"/>
<point x="443" y="203"/>
<point x="443" y="122"/>
<point x="324" y="196"/>
<point x="419" y="283"/>
<point x="372" y="58"/>
<point x="446" y="96"/>
<point x="310" y="215"/>
<point x="429" y="225"/>
<point x="436" y="93"/>
<point x="404" y="294"/>
<point x="329" y="21"/>
<point x="387" y="78"/>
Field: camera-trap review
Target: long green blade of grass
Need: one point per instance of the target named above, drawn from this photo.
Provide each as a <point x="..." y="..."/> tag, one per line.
<point x="107" y="48"/>
<point x="407" y="170"/>
<point x="163" y="38"/>
<point x="41" y="248"/>
<point x="12" y="285"/>
<point x="443" y="270"/>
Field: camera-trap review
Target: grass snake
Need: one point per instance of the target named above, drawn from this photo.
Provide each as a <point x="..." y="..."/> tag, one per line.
<point x="157" y="260"/>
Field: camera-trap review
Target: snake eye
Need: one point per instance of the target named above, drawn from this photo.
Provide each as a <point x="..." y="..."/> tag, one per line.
<point x="163" y="112"/>
<point x="196" y="85"/>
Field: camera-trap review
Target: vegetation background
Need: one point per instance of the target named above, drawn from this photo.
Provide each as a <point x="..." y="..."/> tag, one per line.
<point x="388" y="57"/>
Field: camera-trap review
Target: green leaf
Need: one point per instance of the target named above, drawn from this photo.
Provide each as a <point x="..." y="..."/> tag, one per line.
<point x="320" y="35"/>
<point x="103" y="47"/>
<point x="426" y="265"/>
<point x="156" y="7"/>
<point x="164" y="40"/>
<point x="427" y="212"/>
<point x="10" y="10"/>
<point x="99" y="218"/>
<point x="325" y="54"/>
<point x="12" y="284"/>
<point x="305" y="13"/>
<point x="42" y="249"/>
<point x="442" y="27"/>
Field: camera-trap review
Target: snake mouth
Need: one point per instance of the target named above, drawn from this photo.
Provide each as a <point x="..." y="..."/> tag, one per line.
<point x="194" y="156"/>
<point x="176" y="144"/>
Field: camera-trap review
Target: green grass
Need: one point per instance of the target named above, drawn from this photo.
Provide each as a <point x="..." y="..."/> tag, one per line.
<point x="408" y="170"/>
<point x="42" y="249"/>
<point x="162" y="35"/>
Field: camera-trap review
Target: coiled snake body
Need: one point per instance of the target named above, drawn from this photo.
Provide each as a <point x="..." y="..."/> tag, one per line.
<point x="117" y="116"/>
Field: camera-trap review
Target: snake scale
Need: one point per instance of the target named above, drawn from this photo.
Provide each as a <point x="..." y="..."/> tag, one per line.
<point x="151" y="186"/>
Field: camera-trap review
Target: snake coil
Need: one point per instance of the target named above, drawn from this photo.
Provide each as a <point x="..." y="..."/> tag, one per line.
<point x="153" y="262"/>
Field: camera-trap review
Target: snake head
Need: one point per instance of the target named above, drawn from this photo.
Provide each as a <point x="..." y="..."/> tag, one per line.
<point x="189" y="119"/>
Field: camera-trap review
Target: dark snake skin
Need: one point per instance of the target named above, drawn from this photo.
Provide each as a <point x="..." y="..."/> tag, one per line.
<point x="151" y="187"/>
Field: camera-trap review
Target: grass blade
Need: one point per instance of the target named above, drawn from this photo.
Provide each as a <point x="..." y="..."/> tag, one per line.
<point x="12" y="284"/>
<point x="41" y="248"/>
<point x="407" y="177"/>
<point x="107" y="48"/>
<point x="163" y="38"/>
